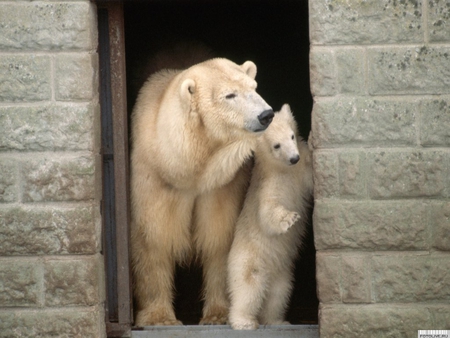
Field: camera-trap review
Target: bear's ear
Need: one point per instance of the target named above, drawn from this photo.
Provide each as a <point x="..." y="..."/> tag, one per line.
<point x="187" y="89"/>
<point x="286" y="110"/>
<point x="249" y="68"/>
<point x="287" y="115"/>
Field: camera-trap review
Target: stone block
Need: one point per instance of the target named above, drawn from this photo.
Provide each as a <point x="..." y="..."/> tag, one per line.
<point x="352" y="178"/>
<point x="8" y="179"/>
<point x="375" y="321"/>
<point x="47" y="127"/>
<point x="411" y="277"/>
<point x="59" y="179"/>
<point x="364" y="121"/>
<point x="322" y="72"/>
<point x="435" y="122"/>
<point x="355" y="280"/>
<point x="371" y="225"/>
<point x="365" y="22"/>
<point x="409" y="70"/>
<point x="75" y="322"/>
<point x="407" y="173"/>
<point x="326" y="176"/>
<point x="350" y="70"/>
<point x="76" y="77"/>
<point x="24" y="78"/>
<point x="20" y="282"/>
<point x="440" y="224"/>
<point x="47" y="26"/>
<point x="328" y="277"/>
<point x="48" y="230"/>
<point x="71" y="281"/>
<point x="439" y="21"/>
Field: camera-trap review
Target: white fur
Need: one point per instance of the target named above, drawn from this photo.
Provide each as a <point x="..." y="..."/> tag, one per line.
<point x="270" y="227"/>
<point x="193" y="131"/>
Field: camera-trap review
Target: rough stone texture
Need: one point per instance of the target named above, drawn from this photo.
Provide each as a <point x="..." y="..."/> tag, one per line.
<point x="380" y="76"/>
<point x="46" y="127"/>
<point x="409" y="70"/>
<point x="440" y="223"/>
<point x="51" y="272"/>
<point x="8" y="180"/>
<point x="352" y="175"/>
<point x="74" y="322"/>
<point x="75" y="77"/>
<point x="362" y="22"/>
<point x="355" y="279"/>
<point x="407" y="174"/>
<point x="47" y="26"/>
<point x="409" y="278"/>
<point x="20" y="283"/>
<point x="350" y="69"/>
<point x="52" y="179"/>
<point x="24" y="78"/>
<point x="39" y="230"/>
<point x="326" y="175"/>
<point x="323" y="73"/>
<point x="439" y="20"/>
<point x="371" y="225"/>
<point x="71" y="282"/>
<point x="435" y="119"/>
<point x="328" y="272"/>
<point x="375" y="321"/>
<point x="364" y="121"/>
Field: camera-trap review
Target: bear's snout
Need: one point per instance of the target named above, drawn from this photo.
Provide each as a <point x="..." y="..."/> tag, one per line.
<point x="266" y="117"/>
<point x="295" y="159"/>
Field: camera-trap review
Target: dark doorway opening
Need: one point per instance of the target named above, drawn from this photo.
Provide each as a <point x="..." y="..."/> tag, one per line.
<point x="273" y="34"/>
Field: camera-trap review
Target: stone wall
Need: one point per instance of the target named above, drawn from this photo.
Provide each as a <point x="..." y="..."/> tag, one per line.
<point x="380" y="76"/>
<point x="51" y="270"/>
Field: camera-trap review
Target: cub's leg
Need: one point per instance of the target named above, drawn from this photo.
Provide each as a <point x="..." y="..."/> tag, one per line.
<point x="247" y="285"/>
<point x="160" y="238"/>
<point x="275" y="305"/>
<point x="215" y="217"/>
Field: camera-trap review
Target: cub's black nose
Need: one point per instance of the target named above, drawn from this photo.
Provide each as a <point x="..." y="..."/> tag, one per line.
<point x="295" y="159"/>
<point x="266" y="117"/>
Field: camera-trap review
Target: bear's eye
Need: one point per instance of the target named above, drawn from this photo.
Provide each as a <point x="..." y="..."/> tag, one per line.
<point x="230" y="96"/>
<point x="292" y="137"/>
<point x="277" y="146"/>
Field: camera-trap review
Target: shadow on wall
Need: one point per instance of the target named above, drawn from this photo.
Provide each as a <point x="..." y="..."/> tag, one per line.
<point x="273" y="34"/>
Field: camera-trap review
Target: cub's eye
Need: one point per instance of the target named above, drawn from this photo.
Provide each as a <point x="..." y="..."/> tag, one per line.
<point x="230" y="96"/>
<point x="277" y="146"/>
<point x="292" y="137"/>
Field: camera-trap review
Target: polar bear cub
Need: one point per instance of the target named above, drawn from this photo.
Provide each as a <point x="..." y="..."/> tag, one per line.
<point x="270" y="227"/>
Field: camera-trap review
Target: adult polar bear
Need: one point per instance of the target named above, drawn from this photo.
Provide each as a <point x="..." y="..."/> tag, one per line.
<point x="192" y="132"/>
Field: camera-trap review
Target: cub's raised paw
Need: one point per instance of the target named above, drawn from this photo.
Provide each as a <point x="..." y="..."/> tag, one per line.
<point x="288" y="221"/>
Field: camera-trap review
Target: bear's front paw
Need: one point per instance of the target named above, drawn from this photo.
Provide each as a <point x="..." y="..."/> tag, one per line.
<point x="288" y="221"/>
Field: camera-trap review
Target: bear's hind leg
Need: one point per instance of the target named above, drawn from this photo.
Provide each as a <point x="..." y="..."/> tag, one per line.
<point x="275" y="305"/>
<point x="160" y="238"/>
<point x="247" y="286"/>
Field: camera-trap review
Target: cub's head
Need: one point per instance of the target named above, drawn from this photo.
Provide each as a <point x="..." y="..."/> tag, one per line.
<point x="222" y="95"/>
<point x="279" y="141"/>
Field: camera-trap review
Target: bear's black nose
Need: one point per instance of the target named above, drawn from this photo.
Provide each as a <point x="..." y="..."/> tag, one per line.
<point x="265" y="117"/>
<point x="295" y="159"/>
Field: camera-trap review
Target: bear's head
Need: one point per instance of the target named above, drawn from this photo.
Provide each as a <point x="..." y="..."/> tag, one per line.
<point x="222" y="97"/>
<point x="279" y="142"/>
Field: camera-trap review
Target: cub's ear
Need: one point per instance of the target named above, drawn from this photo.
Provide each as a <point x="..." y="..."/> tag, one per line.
<point x="187" y="89"/>
<point x="286" y="109"/>
<point x="249" y="68"/>
<point x="288" y="116"/>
